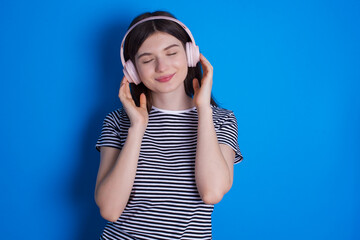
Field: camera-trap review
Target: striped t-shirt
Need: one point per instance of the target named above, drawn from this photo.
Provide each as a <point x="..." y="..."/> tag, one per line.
<point x="164" y="202"/>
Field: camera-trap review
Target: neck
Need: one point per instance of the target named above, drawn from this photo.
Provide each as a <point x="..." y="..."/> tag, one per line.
<point x="172" y="101"/>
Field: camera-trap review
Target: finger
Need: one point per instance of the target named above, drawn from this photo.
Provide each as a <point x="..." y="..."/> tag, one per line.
<point x="205" y="63"/>
<point x="122" y="84"/>
<point x="127" y="90"/>
<point x="124" y="91"/>
<point x="143" y="101"/>
<point x="196" y="85"/>
<point x="123" y="81"/>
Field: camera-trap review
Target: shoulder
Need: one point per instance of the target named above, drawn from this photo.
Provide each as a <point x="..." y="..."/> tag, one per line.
<point x="117" y="117"/>
<point x="221" y="115"/>
<point x="220" y="111"/>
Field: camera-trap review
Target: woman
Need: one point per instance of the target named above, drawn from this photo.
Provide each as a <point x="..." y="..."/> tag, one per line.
<point x="167" y="156"/>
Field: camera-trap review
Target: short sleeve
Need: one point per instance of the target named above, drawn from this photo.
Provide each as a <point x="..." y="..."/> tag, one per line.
<point x="227" y="133"/>
<point x="110" y="133"/>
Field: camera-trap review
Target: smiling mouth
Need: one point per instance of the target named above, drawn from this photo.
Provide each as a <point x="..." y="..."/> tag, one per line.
<point x="165" y="78"/>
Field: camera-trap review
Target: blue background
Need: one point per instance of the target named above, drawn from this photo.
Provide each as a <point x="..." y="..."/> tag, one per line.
<point x="290" y="71"/>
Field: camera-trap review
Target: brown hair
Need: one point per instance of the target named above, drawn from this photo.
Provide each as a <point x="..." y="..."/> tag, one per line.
<point x="140" y="33"/>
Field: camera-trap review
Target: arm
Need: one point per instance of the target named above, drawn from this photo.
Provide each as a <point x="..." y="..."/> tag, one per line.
<point x="214" y="161"/>
<point x="117" y="168"/>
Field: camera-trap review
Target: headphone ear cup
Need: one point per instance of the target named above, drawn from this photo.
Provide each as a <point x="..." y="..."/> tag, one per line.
<point x="192" y="53"/>
<point x="130" y="72"/>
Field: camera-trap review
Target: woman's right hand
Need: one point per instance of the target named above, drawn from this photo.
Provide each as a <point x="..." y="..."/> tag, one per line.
<point x="138" y="115"/>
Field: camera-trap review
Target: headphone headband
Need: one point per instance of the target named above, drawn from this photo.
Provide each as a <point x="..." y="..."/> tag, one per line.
<point x="149" y="19"/>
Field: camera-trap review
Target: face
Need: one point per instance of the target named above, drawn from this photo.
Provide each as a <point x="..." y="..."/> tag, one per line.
<point x="161" y="63"/>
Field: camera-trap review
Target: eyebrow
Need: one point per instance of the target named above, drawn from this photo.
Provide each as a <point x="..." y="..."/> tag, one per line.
<point x="168" y="47"/>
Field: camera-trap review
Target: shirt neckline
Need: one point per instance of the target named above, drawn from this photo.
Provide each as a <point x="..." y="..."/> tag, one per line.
<point x="174" y="111"/>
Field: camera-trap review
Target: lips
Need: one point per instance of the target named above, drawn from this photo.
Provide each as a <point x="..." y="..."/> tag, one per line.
<point x="165" y="78"/>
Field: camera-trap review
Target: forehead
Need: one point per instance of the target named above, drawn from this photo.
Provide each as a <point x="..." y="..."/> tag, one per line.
<point x="157" y="42"/>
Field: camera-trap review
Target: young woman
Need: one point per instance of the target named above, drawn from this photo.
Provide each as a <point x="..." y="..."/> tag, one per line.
<point x="167" y="155"/>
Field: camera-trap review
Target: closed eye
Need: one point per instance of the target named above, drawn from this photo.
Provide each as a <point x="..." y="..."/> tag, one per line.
<point x="171" y="54"/>
<point x="147" y="61"/>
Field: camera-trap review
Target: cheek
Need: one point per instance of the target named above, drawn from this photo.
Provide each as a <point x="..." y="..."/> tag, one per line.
<point x="143" y="70"/>
<point x="182" y="66"/>
<point x="181" y="61"/>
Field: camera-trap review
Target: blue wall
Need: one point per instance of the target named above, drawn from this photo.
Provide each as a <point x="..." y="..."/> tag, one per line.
<point x="289" y="69"/>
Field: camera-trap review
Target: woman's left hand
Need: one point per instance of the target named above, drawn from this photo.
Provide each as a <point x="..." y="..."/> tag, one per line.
<point x="202" y="95"/>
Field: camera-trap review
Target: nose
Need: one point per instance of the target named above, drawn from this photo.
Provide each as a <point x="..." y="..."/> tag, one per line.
<point x="161" y="65"/>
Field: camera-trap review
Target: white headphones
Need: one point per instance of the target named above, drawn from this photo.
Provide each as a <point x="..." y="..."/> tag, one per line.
<point x="192" y="51"/>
